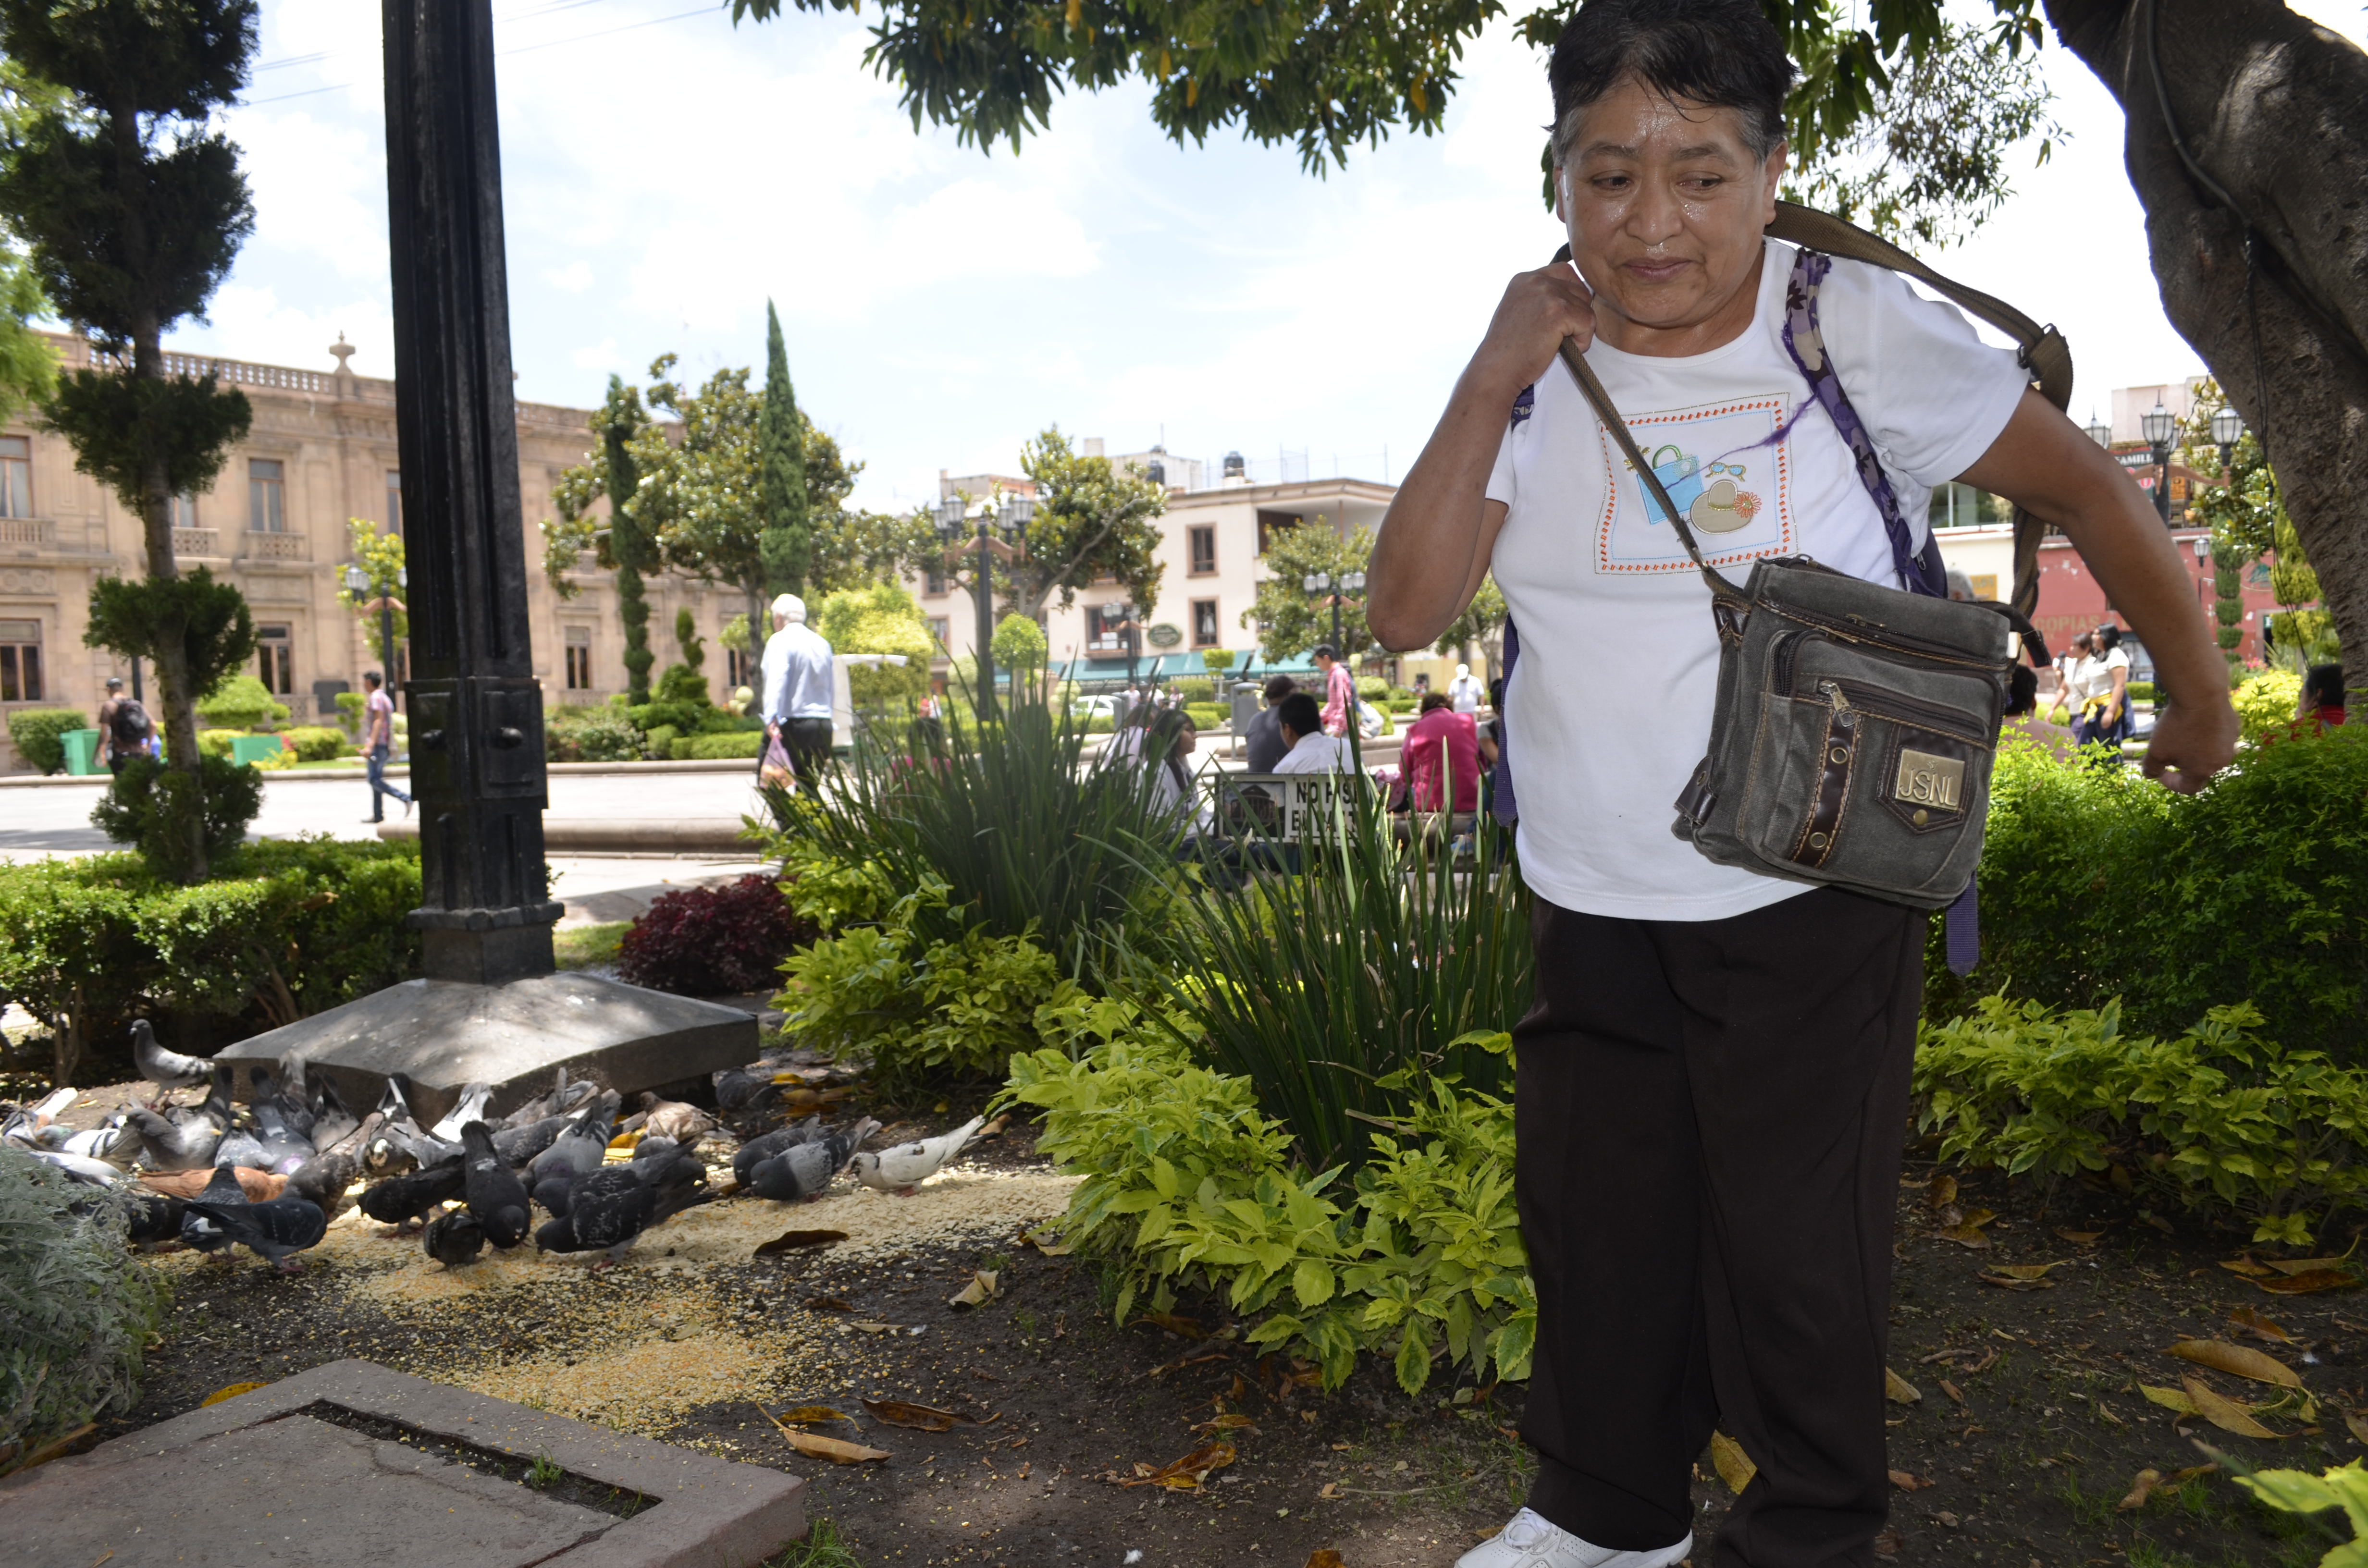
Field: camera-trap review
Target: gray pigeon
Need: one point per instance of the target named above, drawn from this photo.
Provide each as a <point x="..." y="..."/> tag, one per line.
<point x="240" y="1147"/>
<point x="901" y="1169"/>
<point x="551" y="1193"/>
<point x="325" y="1177"/>
<point x="276" y="1229"/>
<point x="756" y="1150"/>
<point x="188" y="1147"/>
<point x="166" y="1069"/>
<point x="611" y="1207"/>
<point x="392" y="1152"/>
<point x="805" y="1170"/>
<point x="495" y="1194"/>
<point x="566" y="1097"/>
<point x="202" y="1228"/>
<point x="517" y="1146"/>
<point x="295" y="1112"/>
<point x="453" y="1239"/>
<point x="284" y="1148"/>
<point x="400" y="1200"/>
<point x="581" y="1147"/>
<point x="744" y="1089"/>
<point x="331" y="1120"/>
<point x="471" y="1106"/>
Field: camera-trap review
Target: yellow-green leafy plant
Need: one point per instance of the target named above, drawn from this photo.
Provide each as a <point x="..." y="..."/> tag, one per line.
<point x="2298" y="1492"/>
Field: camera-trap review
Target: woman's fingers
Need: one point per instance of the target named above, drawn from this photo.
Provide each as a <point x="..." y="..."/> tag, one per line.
<point x="1539" y="309"/>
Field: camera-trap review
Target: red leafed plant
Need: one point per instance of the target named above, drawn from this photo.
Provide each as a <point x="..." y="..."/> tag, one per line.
<point x="717" y="941"/>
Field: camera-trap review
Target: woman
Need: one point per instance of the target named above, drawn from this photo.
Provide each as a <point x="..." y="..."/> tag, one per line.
<point x="2105" y="705"/>
<point x="2320" y="706"/>
<point x="1443" y="744"/>
<point x="2068" y="676"/>
<point x="1162" y="740"/>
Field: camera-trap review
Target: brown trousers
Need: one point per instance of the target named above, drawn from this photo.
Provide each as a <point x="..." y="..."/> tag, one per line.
<point x="1710" y="1117"/>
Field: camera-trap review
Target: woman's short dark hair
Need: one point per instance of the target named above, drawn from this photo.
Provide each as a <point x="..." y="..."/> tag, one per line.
<point x="1432" y="701"/>
<point x="2021" y="691"/>
<point x="2323" y="688"/>
<point x="1720" y="53"/>
<point x="2108" y="639"/>
<point x="1277" y="687"/>
<point x="1300" y="715"/>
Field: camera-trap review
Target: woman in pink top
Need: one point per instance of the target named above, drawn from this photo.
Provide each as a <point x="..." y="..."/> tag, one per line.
<point x="1439" y="731"/>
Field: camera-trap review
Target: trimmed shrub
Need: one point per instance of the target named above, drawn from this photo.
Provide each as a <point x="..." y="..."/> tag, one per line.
<point x="149" y="806"/>
<point x="2097" y="884"/>
<point x="1194" y="690"/>
<point x="713" y="941"/>
<point x="590" y="734"/>
<point x="2265" y="702"/>
<point x="350" y="711"/>
<point x="241" y="702"/>
<point x="80" y="1308"/>
<point x="2141" y="691"/>
<point x="716" y="747"/>
<point x="35" y="733"/>
<point x="216" y="743"/>
<point x="678" y="716"/>
<point x="659" y="741"/>
<point x="1372" y="689"/>
<point x="314" y="743"/>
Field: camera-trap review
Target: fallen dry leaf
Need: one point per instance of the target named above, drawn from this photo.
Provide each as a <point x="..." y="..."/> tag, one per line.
<point x="2245" y="1266"/>
<point x="978" y="1292"/>
<point x="1224" y="1423"/>
<point x="2307" y="1264"/>
<point x="2249" y="1322"/>
<point x="233" y="1391"/>
<point x="1968" y="1234"/>
<point x="2169" y="1399"/>
<point x="1186" y="1473"/>
<point x="992" y="1129"/>
<point x="1898" y="1390"/>
<point x="1887" y="1545"/>
<point x="2238" y="1361"/>
<point x="2019" y="1275"/>
<point x="1940" y="1192"/>
<point x="2080" y="1238"/>
<point x="2141" y="1487"/>
<point x="1331" y="1491"/>
<point x="920" y="1418"/>
<point x="1189" y="1328"/>
<point x="1906" y="1483"/>
<point x="2225" y="1413"/>
<point x="806" y="1412"/>
<point x="1950" y="1390"/>
<point x="1733" y="1466"/>
<point x="791" y="1240"/>
<point x="827" y="1304"/>
<point x="832" y="1448"/>
<point x="2310" y="1283"/>
<point x="1046" y="1243"/>
<point x="2357" y="1425"/>
<point x="2158" y="1222"/>
<point x="1323" y="1557"/>
<point x="875" y="1328"/>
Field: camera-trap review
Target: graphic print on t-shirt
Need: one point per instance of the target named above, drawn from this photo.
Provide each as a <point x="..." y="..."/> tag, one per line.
<point x="1734" y="491"/>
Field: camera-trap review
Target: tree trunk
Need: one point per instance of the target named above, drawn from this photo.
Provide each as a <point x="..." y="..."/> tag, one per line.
<point x="179" y="702"/>
<point x="2274" y="109"/>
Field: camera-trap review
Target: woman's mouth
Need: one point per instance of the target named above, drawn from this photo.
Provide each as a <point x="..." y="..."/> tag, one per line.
<point x="1654" y="268"/>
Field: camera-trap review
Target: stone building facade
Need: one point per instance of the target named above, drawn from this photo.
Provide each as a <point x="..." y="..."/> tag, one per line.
<point x="321" y="450"/>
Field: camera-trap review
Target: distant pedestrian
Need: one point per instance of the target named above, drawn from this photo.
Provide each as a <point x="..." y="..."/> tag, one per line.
<point x="1464" y="693"/>
<point x="125" y="731"/>
<point x="1312" y="750"/>
<point x="797" y="677"/>
<point x="1267" y="745"/>
<point x="378" y="744"/>
<point x="1340" y="690"/>
<point x="2105" y="705"/>
<point x="1443" y="744"/>
<point x="2321" y="703"/>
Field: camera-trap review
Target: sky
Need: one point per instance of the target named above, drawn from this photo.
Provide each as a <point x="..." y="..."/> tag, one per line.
<point x="664" y="173"/>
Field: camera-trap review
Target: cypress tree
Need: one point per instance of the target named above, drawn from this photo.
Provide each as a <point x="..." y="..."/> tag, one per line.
<point x="133" y="209"/>
<point x="787" y="541"/>
<point x="629" y="544"/>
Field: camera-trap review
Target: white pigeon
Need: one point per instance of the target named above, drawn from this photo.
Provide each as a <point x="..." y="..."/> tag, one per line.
<point x="906" y="1167"/>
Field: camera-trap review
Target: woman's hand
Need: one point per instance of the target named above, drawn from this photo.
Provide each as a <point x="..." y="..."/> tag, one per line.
<point x="1539" y="309"/>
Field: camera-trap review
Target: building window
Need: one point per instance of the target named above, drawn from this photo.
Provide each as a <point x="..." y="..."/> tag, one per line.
<point x="739" y="669"/>
<point x="266" y="489"/>
<point x="393" y="502"/>
<point x="1205" y="623"/>
<point x="275" y="650"/>
<point x="1203" y="541"/>
<point x="20" y="661"/>
<point x="933" y="580"/>
<point x="579" y="658"/>
<point x="1106" y="628"/>
<point x="185" y="510"/>
<point x="1271" y="524"/>
<point x="941" y="630"/>
<point x="15" y="476"/>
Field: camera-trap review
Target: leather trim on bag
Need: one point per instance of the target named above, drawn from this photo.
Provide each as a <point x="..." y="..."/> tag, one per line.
<point x="1822" y="831"/>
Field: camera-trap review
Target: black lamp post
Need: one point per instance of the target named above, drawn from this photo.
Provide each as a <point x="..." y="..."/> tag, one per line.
<point x="1347" y="583"/>
<point x="358" y="582"/>
<point x="2158" y="427"/>
<point x="2227" y="430"/>
<point x="2100" y="432"/>
<point x="1011" y="520"/>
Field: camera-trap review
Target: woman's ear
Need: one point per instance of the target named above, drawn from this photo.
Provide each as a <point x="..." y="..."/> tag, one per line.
<point x="1561" y="194"/>
<point x="1778" y="159"/>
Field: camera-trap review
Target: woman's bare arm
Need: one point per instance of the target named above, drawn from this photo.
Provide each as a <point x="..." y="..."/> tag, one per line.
<point x="1436" y="541"/>
<point x="2043" y="462"/>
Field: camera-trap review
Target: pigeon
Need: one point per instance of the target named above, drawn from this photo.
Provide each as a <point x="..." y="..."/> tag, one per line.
<point x="518" y="1146"/>
<point x="186" y="1147"/>
<point x="744" y="1089"/>
<point x="331" y="1120"/>
<point x="611" y="1207"/>
<point x="400" y="1144"/>
<point x="906" y="1167"/>
<point x="240" y="1147"/>
<point x="284" y="1149"/>
<point x="325" y="1177"/>
<point x="155" y="1217"/>
<point x="24" y="1124"/>
<point x="81" y="1167"/>
<point x="746" y="1157"/>
<point x="276" y="1229"/>
<point x="401" y="1200"/>
<point x="551" y="1193"/>
<point x="201" y="1227"/>
<point x="656" y="1149"/>
<point x="495" y="1196"/>
<point x="564" y="1100"/>
<point x="805" y="1170"/>
<point x="166" y="1069"/>
<point x="471" y="1106"/>
<point x="673" y="1119"/>
<point x="116" y="1142"/>
<point x="581" y="1147"/>
<point x="454" y="1239"/>
<point x="293" y="1111"/>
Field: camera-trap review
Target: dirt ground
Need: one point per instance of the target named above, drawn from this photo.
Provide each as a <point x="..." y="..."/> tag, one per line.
<point x="2027" y="1433"/>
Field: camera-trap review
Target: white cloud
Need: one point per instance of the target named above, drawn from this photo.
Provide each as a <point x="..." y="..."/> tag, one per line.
<point x="251" y="323"/>
<point x="601" y="356"/>
<point x="574" y="278"/>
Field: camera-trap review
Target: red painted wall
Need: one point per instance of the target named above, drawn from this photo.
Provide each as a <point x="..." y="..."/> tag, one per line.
<point x="2071" y="600"/>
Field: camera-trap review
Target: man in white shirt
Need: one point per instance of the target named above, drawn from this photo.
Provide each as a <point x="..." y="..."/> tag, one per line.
<point x="1307" y="748"/>
<point x="798" y="675"/>
<point x="1464" y="693"/>
<point x="1711" y="1082"/>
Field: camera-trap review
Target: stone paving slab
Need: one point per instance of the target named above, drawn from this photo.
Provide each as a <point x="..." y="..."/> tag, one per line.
<point x="446" y="1034"/>
<point x="273" y="1477"/>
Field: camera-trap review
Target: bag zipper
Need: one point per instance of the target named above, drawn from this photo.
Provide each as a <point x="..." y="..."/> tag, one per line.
<point x="1866" y="633"/>
<point x="1893" y="705"/>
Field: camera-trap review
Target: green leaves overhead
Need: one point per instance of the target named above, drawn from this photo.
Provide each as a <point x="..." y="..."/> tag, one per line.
<point x="134" y="615"/>
<point x="1290" y="621"/>
<point x="121" y="426"/>
<point x="1091" y="521"/>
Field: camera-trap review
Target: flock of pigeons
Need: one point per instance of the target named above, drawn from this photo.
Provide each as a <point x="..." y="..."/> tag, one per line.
<point x="552" y="1153"/>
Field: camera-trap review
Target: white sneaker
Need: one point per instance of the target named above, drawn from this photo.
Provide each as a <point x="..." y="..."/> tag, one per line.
<point x="1530" y="1541"/>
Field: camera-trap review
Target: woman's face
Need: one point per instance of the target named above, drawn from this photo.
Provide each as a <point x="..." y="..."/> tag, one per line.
<point x="1665" y="203"/>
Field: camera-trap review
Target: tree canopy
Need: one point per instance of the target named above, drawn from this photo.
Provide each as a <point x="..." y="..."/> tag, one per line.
<point x="1092" y="520"/>
<point x="1289" y="619"/>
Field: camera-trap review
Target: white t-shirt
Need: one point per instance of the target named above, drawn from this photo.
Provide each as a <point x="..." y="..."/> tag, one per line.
<point x="1609" y="707"/>
<point x="1464" y="693"/>
<point x="1318" y="753"/>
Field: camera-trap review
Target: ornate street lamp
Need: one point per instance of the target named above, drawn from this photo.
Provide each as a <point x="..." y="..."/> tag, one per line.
<point x="2227" y="430"/>
<point x="358" y="583"/>
<point x="2100" y="432"/>
<point x="2158" y="426"/>
<point x="1324" y="583"/>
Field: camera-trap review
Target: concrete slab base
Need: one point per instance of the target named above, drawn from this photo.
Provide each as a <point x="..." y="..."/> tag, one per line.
<point x="446" y="1034"/>
<point x="321" y="1466"/>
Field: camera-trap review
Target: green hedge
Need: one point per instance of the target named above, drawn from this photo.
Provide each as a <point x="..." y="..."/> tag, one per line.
<point x="286" y="929"/>
<point x="241" y="702"/>
<point x="704" y="748"/>
<point x="314" y="742"/>
<point x="35" y="731"/>
<point x="590" y="734"/>
<point x="2097" y="884"/>
<point x="1205" y="716"/>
